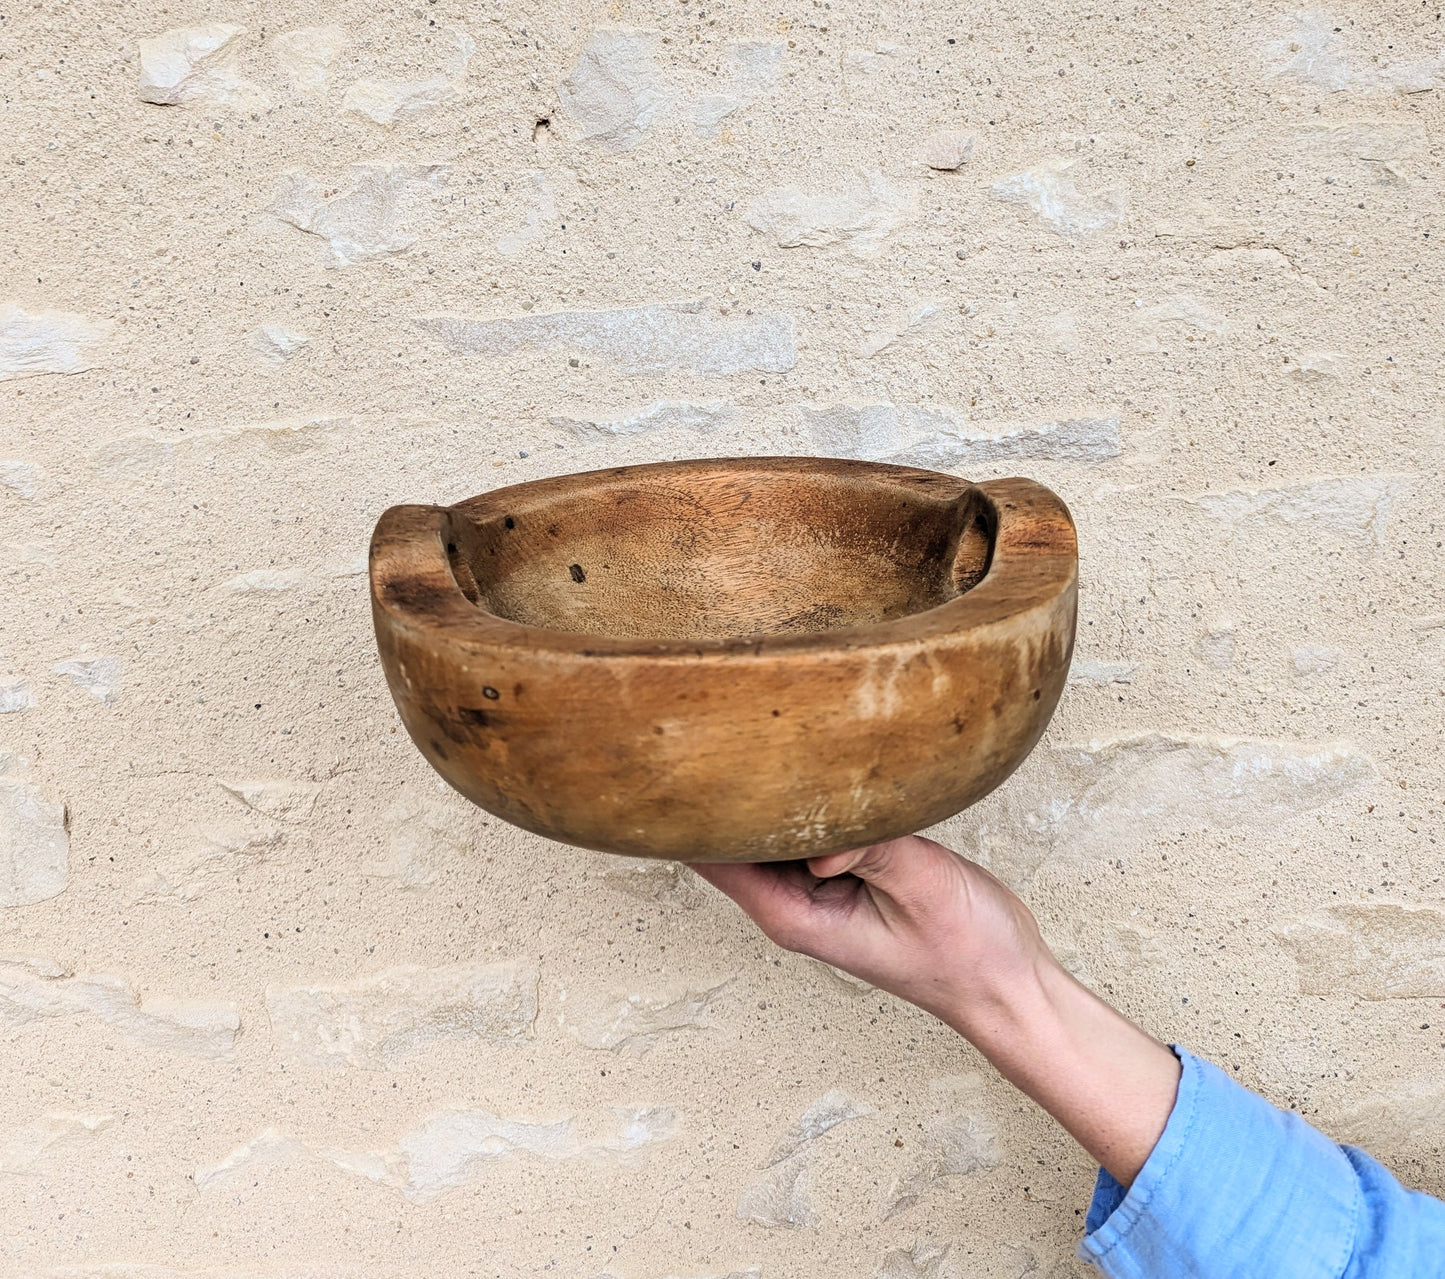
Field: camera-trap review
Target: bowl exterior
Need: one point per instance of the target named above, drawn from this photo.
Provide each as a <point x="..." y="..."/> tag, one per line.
<point x="744" y="758"/>
<point x="766" y="748"/>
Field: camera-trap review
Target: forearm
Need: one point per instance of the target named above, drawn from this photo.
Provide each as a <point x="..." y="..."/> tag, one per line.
<point x="1107" y="1082"/>
<point x="1200" y="1176"/>
<point x="917" y="920"/>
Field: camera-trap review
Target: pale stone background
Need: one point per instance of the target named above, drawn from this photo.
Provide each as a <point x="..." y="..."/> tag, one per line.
<point x="273" y="1002"/>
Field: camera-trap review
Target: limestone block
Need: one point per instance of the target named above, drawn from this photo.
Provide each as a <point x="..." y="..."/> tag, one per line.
<point x="1314" y="51"/>
<point x="917" y="319"/>
<point x="782" y="1199"/>
<point x="269" y="1147"/>
<point x="277" y="797"/>
<point x="1242" y="262"/>
<point x="144" y="452"/>
<point x="15" y="694"/>
<point x="635" y="1023"/>
<point x="1319" y="365"/>
<point x="24" y="479"/>
<point x="1396" y="1119"/>
<point x="1217" y="645"/>
<point x="24" y="1149"/>
<point x="382" y="213"/>
<point x="35" y="990"/>
<point x="375" y="1021"/>
<point x="663" y="415"/>
<point x="1374" y="950"/>
<point x="101" y="677"/>
<point x="34" y="839"/>
<point x="1049" y="191"/>
<point x="1207" y="223"/>
<point x="307" y="57"/>
<point x="616" y="91"/>
<point x="455" y="1147"/>
<point x="922" y="1261"/>
<point x="959" y="1139"/>
<point x="186" y="64"/>
<point x="1378" y="140"/>
<point x="834" y="1107"/>
<point x="541" y="214"/>
<point x="1153" y="325"/>
<point x="654" y="338"/>
<point x="751" y="67"/>
<point x="1355" y="508"/>
<point x="37" y="342"/>
<point x="211" y="854"/>
<point x="1113" y="796"/>
<point x="423" y="836"/>
<point x="1063" y="332"/>
<point x="859" y="216"/>
<point x="943" y="438"/>
<point x="265" y="581"/>
<point x="1093" y="670"/>
<point x="666" y="883"/>
<point x="387" y="101"/>
<point x="947" y="149"/>
<point x="1315" y="659"/>
<point x="881" y="57"/>
<point x="276" y="344"/>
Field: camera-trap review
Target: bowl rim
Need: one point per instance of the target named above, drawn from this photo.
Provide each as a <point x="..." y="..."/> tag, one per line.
<point x="1034" y="562"/>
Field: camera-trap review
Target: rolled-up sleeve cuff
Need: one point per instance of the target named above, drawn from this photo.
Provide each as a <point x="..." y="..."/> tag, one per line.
<point x="1233" y="1187"/>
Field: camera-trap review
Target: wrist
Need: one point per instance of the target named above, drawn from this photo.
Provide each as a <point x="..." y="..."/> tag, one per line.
<point x="1018" y="1001"/>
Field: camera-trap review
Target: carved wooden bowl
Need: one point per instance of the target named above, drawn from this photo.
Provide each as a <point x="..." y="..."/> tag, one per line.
<point x="746" y="659"/>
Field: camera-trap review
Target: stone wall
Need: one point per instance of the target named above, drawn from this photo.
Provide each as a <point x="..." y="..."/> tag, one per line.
<point x="275" y="1003"/>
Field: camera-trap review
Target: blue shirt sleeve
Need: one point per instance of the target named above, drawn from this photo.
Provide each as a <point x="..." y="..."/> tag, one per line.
<point x="1236" y="1189"/>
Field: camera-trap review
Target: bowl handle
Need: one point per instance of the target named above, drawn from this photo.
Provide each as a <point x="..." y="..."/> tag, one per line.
<point x="419" y="577"/>
<point x="1031" y="522"/>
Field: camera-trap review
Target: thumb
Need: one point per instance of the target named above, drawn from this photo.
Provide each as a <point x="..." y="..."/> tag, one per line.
<point x="903" y="868"/>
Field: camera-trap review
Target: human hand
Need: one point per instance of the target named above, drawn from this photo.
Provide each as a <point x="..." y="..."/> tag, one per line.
<point x="909" y="916"/>
<point x="919" y="921"/>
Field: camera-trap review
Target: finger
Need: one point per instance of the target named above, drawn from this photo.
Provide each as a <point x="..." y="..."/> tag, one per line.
<point x="767" y="892"/>
<point x="835" y="863"/>
<point x="775" y="895"/>
<point x="869" y="862"/>
<point x="736" y="879"/>
<point x="906" y="869"/>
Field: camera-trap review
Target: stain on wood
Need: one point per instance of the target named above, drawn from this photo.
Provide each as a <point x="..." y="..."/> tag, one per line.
<point x="749" y="659"/>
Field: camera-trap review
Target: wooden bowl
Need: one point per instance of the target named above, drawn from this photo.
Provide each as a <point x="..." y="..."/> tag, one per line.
<point x="744" y="659"/>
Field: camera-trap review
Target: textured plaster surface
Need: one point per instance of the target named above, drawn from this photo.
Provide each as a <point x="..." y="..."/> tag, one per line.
<point x="273" y="1002"/>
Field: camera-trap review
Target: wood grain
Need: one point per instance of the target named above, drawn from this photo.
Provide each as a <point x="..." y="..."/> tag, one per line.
<point x="731" y="660"/>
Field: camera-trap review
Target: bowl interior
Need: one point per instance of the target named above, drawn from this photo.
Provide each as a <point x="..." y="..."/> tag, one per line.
<point x="718" y="554"/>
